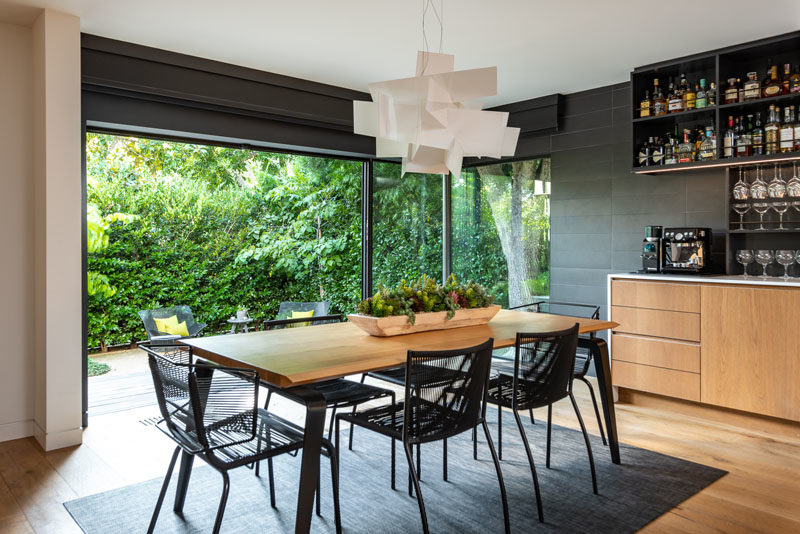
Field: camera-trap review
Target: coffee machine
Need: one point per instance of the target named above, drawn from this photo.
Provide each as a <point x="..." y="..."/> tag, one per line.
<point x="652" y="250"/>
<point x="686" y="250"/>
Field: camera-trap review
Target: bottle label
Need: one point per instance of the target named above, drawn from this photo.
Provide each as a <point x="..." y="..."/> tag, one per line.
<point x="773" y="90"/>
<point x="658" y="107"/>
<point x="644" y="158"/>
<point x="676" y="104"/>
<point x="701" y="102"/>
<point x="731" y="95"/>
<point x="644" y="112"/>
<point x="797" y="134"/>
<point x="657" y="157"/>
<point x="752" y="92"/>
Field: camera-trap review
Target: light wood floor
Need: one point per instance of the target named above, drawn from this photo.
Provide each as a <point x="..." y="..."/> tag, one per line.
<point x="760" y="494"/>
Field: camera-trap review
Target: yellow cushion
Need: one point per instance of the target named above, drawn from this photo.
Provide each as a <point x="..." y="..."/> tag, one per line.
<point x="170" y="325"/>
<point x="165" y="325"/>
<point x="298" y="315"/>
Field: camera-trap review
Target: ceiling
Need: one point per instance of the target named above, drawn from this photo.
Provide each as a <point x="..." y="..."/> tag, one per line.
<point x="540" y="47"/>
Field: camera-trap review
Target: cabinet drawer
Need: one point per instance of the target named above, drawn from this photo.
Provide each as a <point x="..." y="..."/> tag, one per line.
<point x="656" y="295"/>
<point x="677" y="355"/>
<point x="656" y="380"/>
<point x="658" y="323"/>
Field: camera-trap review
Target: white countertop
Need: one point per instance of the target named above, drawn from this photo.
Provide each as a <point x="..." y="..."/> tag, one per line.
<point x="710" y="279"/>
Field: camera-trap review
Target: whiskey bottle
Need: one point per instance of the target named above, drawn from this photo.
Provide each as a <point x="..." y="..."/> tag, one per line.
<point x="657" y="152"/>
<point x="644" y="106"/>
<point x="689" y="95"/>
<point x="787" y="73"/>
<point x="758" y="136"/>
<point x="794" y="80"/>
<point x="712" y="94"/>
<point x="708" y="147"/>
<point x="675" y="104"/>
<point x="786" y="131"/>
<point x="644" y="153"/>
<point x="796" y="129"/>
<point x="670" y="151"/>
<point x="659" y="102"/>
<point x="752" y="87"/>
<point x="729" y="142"/>
<point x="772" y="86"/>
<point x="744" y="144"/>
<point x="771" y="131"/>
<point x="686" y="149"/>
<point x="701" y="100"/>
<point x="731" y="92"/>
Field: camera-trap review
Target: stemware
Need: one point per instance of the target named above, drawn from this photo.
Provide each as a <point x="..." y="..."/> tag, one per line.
<point x="741" y="191"/>
<point x="777" y="192"/>
<point x="793" y="188"/>
<point x="745" y="257"/>
<point x="785" y="258"/>
<point x="741" y="209"/>
<point x="758" y="191"/>
<point x="764" y="258"/>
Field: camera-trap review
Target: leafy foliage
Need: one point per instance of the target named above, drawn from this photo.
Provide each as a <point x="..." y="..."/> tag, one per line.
<point x="425" y="295"/>
<point x="97" y="368"/>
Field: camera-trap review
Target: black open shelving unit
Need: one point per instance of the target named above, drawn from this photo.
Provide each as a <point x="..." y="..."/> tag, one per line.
<point x="715" y="66"/>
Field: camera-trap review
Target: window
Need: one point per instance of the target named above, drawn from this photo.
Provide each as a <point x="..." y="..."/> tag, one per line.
<point x="407" y="225"/>
<point x="501" y="229"/>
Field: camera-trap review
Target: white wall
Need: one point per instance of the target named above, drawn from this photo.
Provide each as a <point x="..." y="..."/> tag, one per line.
<point x="16" y="232"/>
<point x="40" y="228"/>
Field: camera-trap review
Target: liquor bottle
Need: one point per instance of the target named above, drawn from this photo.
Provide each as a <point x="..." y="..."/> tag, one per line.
<point x="644" y="153"/>
<point x="702" y="96"/>
<point x="675" y="104"/>
<point x="708" y="147"/>
<point x="731" y="92"/>
<point x="752" y="87"/>
<point x="796" y="129"/>
<point x="771" y="131"/>
<point x="772" y="86"/>
<point x="744" y="144"/>
<point x="758" y="136"/>
<point x="644" y="106"/>
<point x="670" y="151"/>
<point x="657" y="152"/>
<point x="786" y="131"/>
<point x="689" y="94"/>
<point x="794" y="80"/>
<point x="659" y="102"/>
<point x="712" y="94"/>
<point x="787" y="73"/>
<point x="729" y="142"/>
<point x="686" y="149"/>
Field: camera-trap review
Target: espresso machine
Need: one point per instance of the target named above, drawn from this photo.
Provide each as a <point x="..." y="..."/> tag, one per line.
<point x="652" y="250"/>
<point x="686" y="250"/>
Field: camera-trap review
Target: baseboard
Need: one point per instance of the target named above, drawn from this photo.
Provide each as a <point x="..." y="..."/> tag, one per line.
<point x="57" y="440"/>
<point x="16" y="430"/>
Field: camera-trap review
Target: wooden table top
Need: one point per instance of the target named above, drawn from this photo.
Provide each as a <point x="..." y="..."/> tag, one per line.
<point x="295" y="356"/>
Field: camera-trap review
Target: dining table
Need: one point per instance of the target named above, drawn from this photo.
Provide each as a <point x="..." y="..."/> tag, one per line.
<point x="289" y="360"/>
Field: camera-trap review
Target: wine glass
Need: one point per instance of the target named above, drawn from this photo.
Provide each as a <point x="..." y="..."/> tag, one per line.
<point x="741" y="209"/>
<point x="758" y="191"/>
<point x="793" y="189"/>
<point x="764" y="258"/>
<point x="745" y="257"/>
<point x="777" y="192"/>
<point x="741" y="191"/>
<point x="785" y="258"/>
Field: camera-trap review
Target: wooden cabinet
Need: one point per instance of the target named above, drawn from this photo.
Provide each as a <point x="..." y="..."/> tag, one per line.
<point x="750" y="355"/>
<point x="734" y="346"/>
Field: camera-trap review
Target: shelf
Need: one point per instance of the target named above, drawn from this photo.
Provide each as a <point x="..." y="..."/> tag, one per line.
<point x="718" y="163"/>
<point x="765" y="231"/>
<point x="760" y="103"/>
<point x="668" y="116"/>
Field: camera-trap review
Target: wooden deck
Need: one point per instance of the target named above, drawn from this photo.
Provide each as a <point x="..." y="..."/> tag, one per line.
<point x="126" y="387"/>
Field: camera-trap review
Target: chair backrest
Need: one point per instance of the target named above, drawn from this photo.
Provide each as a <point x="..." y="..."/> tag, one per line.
<point x="204" y="406"/>
<point x="448" y="392"/>
<point x="183" y="312"/>
<point x="544" y="363"/>
<point x="277" y="324"/>
<point x="286" y="308"/>
<point x="572" y="309"/>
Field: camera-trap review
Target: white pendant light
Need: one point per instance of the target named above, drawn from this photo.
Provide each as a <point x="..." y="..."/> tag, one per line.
<point x="431" y="120"/>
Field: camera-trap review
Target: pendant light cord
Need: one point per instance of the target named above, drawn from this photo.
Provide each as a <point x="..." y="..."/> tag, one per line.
<point x="439" y="13"/>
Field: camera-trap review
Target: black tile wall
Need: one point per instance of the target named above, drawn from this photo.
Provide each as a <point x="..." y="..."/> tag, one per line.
<point x="599" y="208"/>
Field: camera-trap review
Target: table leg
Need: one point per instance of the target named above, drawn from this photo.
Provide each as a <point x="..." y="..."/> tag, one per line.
<point x="602" y="367"/>
<point x="312" y="444"/>
<point x="246" y="330"/>
<point x="233" y="328"/>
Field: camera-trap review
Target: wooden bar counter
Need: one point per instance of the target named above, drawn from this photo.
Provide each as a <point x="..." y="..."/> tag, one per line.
<point x="718" y="340"/>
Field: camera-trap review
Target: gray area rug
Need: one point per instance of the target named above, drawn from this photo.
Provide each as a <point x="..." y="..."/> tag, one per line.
<point x="645" y="486"/>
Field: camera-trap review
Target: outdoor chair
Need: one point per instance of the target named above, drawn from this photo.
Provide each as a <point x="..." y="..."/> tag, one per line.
<point x="287" y="307"/>
<point x="212" y="412"/>
<point x="339" y="393"/>
<point x="183" y="314"/>
<point x="542" y="375"/>
<point x="448" y="399"/>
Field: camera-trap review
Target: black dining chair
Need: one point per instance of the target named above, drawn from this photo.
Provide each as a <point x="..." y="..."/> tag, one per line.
<point x="542" y="375"/>
<point x="339" y="393"/>
<point x="449" y="398"/>
<point x="212" y="412"/>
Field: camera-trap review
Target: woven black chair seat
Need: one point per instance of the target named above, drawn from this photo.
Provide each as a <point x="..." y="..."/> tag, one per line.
<point x="341" y="393"/>
<point x="420" y="373"/>
<point x="501" y="391"/>
<point x="388" y="420"/>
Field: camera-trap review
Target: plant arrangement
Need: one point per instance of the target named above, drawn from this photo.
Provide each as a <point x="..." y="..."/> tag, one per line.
<point x="425" y="295"/>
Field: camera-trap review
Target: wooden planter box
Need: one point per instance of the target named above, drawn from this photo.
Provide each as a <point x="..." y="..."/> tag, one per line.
<point x="399" y="324"/>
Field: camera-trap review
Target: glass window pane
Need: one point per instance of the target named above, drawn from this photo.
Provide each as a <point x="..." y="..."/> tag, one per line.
<point x="501" y="229"/>
<point x="407" y="225"/>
